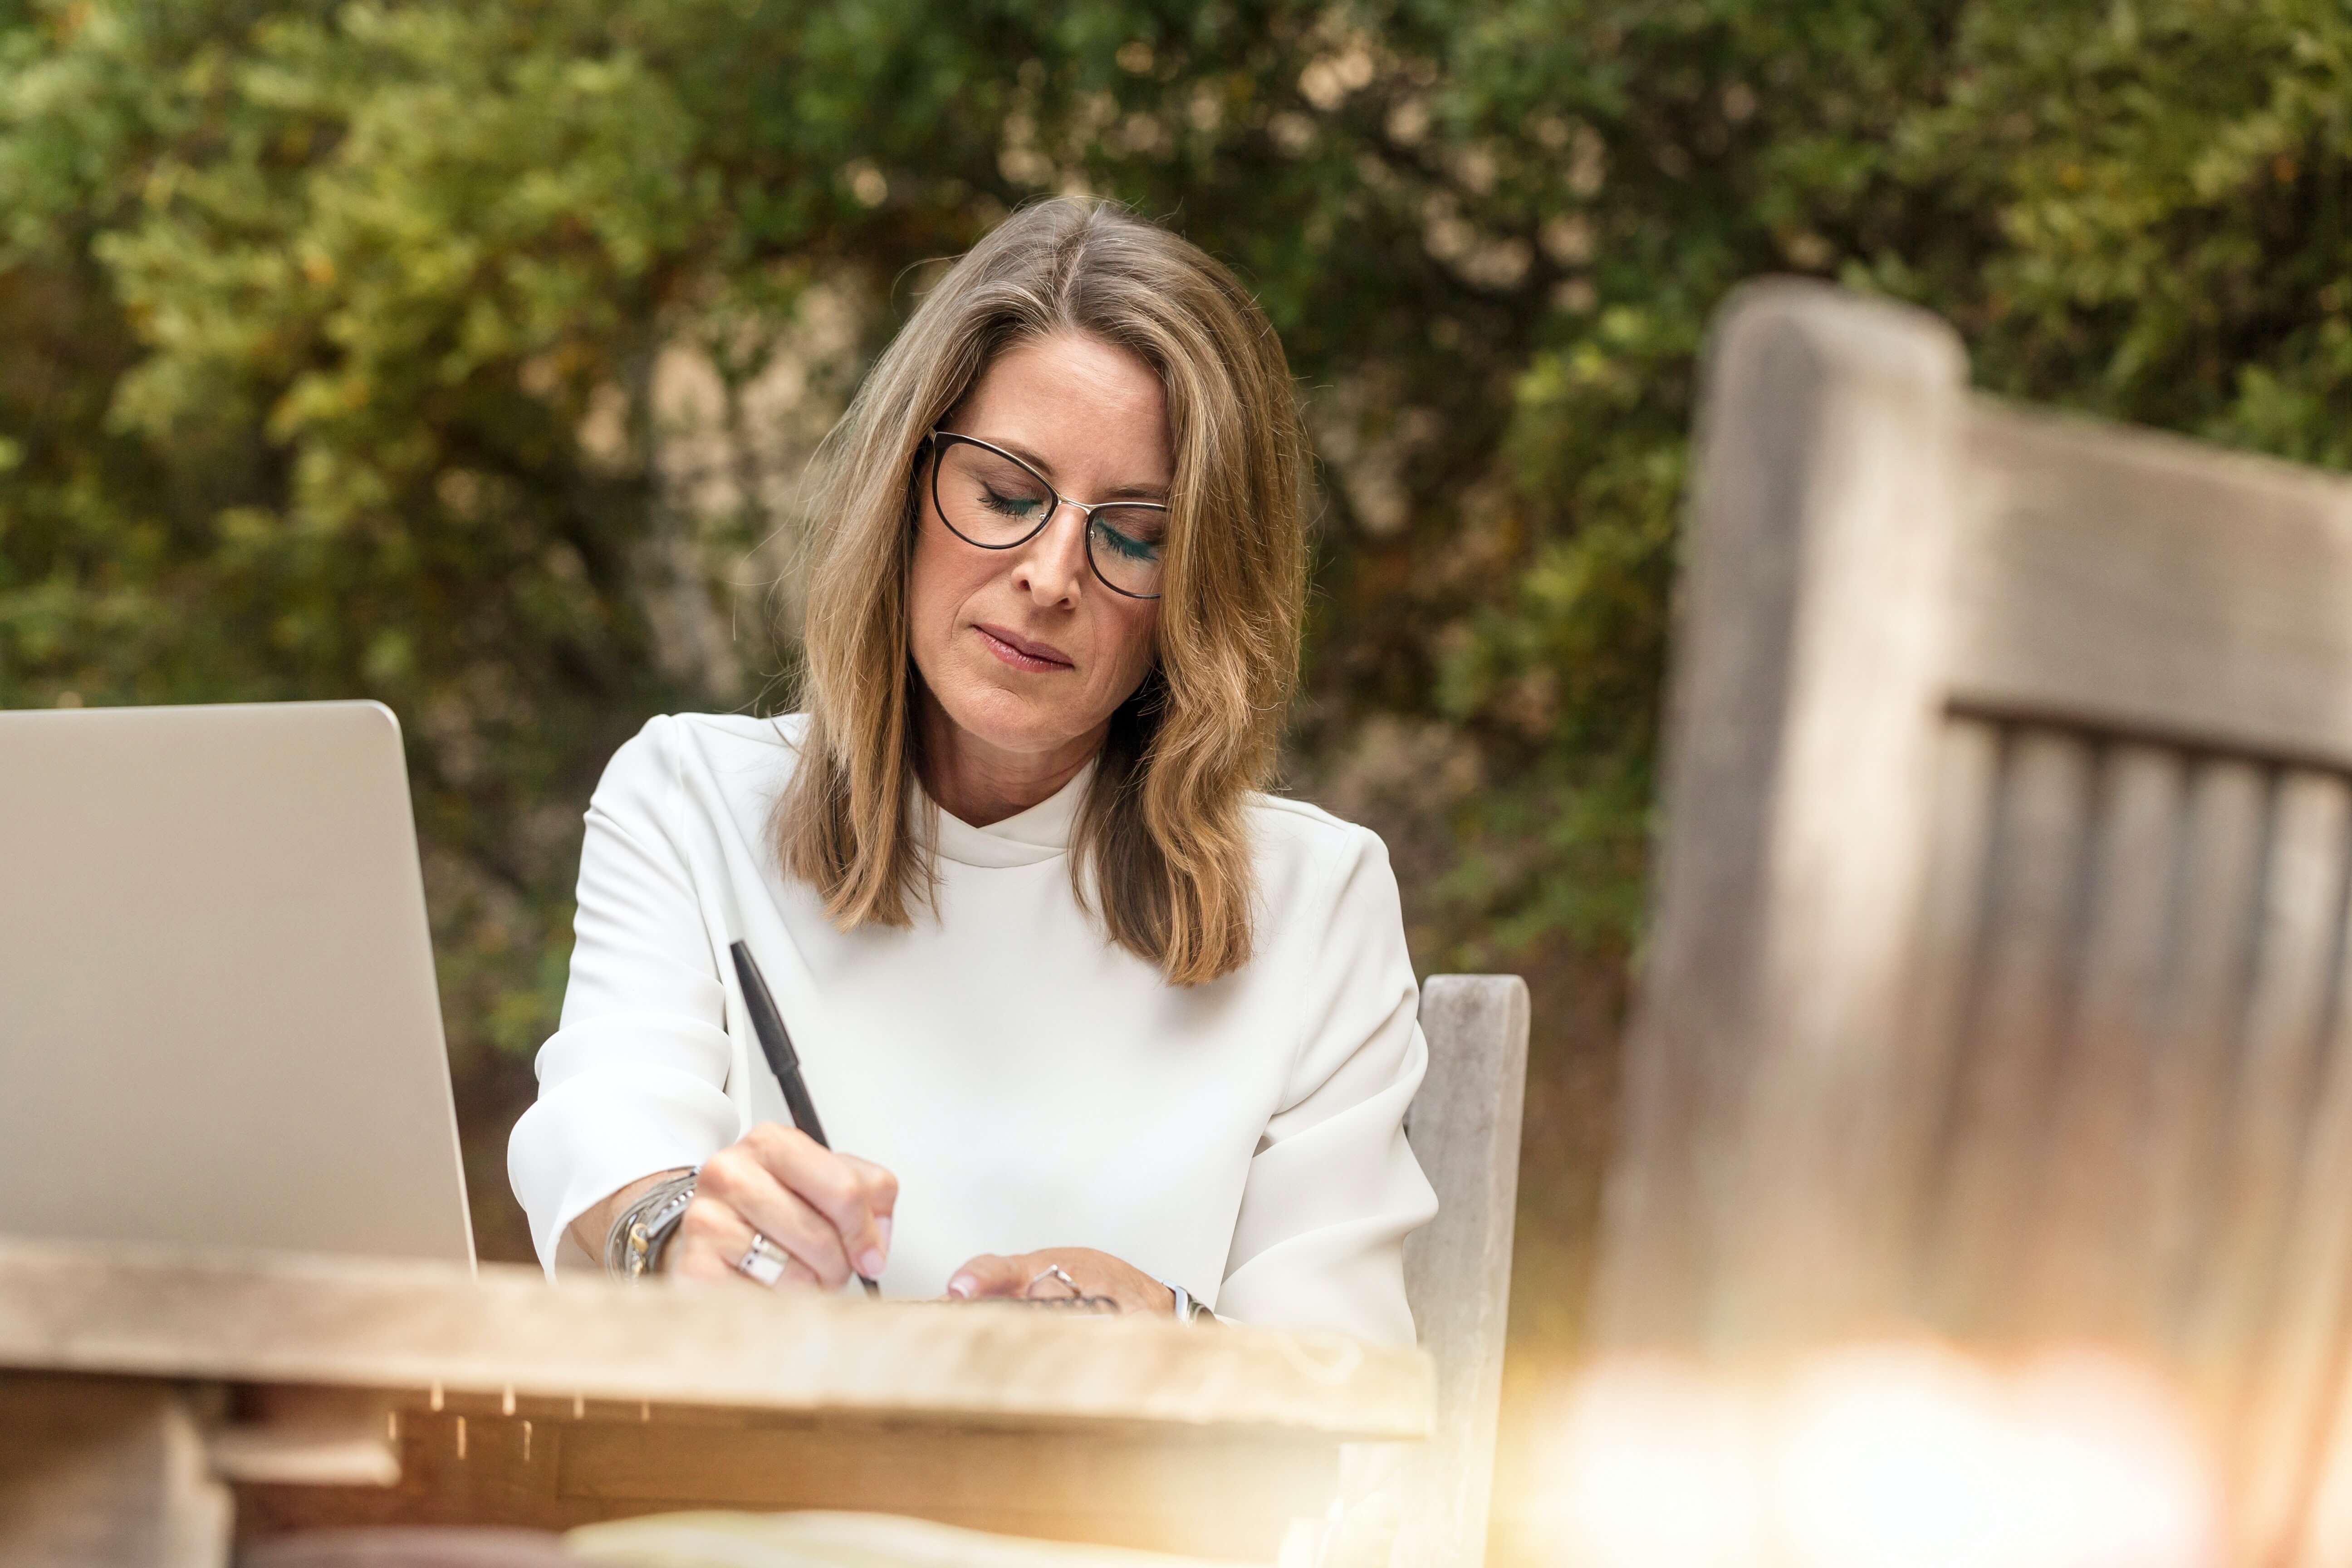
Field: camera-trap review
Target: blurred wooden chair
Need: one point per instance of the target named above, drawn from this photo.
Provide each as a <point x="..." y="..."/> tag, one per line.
<point x="1997" y="970"/>
<point x="1464" y="1129"/>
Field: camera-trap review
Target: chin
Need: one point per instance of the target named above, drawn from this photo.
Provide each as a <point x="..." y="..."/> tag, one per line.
<point x="993" y="714"/>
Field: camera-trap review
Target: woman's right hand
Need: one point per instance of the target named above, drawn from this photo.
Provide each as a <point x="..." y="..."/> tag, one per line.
<point x="822" y="1210"/>
<point x="829" y="1213"/>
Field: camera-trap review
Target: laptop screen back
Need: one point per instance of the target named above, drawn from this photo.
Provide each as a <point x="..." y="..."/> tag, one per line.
<point x="219" y="1022"/>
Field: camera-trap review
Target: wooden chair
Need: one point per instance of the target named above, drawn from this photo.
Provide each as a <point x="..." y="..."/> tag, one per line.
<point x="1464" y="1129"/>
<point x="1997" y="970"/>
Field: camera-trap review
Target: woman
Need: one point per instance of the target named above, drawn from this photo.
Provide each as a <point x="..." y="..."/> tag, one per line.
<point x="1082" y="1010"/>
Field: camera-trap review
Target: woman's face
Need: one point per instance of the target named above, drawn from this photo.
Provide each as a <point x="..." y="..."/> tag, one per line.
<point x="1026" y="650"/>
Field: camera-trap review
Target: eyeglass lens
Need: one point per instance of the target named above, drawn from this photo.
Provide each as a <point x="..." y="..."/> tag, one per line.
<point x="993" y="500"/>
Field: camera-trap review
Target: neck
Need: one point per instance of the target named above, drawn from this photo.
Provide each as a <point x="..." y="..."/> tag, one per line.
<point x="978" y="782"/>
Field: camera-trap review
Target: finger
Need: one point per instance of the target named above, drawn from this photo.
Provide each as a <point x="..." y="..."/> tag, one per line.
<point x="711" y="1243"/>
<point x="711" y="1238"/>
<point x="716" y="1263"/>
<point x="882" y="1190"/>
<point x="853" y="1194"/>
<point x="856" y="1195"/>
<point x="989" y="1275"/>
<point x="742" y="1182"/>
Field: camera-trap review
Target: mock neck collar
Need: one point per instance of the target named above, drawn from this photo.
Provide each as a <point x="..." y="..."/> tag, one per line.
<point x="1024" y="838"/>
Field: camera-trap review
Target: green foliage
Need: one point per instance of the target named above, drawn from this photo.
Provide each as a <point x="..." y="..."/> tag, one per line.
<point x="310" y="313"/>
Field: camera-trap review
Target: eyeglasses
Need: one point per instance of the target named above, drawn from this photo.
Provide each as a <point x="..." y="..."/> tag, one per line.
<point x="990" y="497"/>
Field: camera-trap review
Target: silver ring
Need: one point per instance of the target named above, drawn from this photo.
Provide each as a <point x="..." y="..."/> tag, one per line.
<point x="1052" y="1271"/>
<point x="764" y="1262"/>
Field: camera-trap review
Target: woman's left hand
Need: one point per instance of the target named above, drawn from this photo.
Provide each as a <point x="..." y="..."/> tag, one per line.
<point x="1095" y="1273"/>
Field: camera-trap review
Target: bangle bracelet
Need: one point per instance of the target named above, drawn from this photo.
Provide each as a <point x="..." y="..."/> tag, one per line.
<point x="633" y="1246"/>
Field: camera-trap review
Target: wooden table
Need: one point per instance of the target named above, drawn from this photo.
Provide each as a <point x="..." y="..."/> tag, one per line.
<point x="151" y="1403"/>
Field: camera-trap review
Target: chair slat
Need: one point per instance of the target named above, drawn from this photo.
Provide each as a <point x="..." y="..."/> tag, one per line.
<point x="2297" y="938"/>
<point x="2320" y="1536"/>
<point x="1465" y="1130"/>
<point x="2188" y="1072"/>
<point x="2298" y="1383"/>
<point x="1967" y="784"/>
<point x="2015" y="1027"/>
<point x="2300" y="1390"/>
<point x="2086" y="1275"/>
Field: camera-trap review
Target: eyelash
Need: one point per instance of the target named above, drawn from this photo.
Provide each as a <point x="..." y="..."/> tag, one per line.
<point x="1133" y="549"/>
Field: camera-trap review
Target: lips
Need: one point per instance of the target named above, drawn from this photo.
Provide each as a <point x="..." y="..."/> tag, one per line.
<point x="1023" y="653"/>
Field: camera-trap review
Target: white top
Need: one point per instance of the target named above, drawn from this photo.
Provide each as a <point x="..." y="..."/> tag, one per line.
<point x="1030" y="1084"/>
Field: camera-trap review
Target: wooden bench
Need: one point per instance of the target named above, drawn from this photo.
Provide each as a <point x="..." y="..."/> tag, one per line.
<point x="1997" y="981"/>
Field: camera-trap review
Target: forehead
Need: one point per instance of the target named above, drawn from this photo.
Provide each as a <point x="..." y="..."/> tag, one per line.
<point x="1092" y="410"/>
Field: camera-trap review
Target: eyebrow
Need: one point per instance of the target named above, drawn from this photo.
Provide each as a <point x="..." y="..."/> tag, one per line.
<point x="1157" y="493"/>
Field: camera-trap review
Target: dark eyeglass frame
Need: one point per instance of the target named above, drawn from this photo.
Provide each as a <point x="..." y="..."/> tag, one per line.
<point x="938" y="440"/>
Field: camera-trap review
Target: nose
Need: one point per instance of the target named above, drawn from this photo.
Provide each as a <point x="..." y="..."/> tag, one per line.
<point x="1051" y="566"/>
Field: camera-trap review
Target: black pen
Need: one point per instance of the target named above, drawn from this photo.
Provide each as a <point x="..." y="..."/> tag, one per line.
<point x="776" y="1045"/>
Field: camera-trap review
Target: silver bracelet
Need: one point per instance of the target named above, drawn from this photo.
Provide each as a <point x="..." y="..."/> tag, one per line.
<point x="633" y="1246"/>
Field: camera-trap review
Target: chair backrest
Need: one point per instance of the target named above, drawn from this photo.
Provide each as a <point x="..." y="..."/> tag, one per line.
<point x="1464" y="1129"/>
<point x="1996" y="977"/>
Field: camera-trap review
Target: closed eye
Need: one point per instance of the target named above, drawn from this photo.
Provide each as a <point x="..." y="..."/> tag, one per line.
<point x="1126" y="545"/>
<point x="1009" y="506"/>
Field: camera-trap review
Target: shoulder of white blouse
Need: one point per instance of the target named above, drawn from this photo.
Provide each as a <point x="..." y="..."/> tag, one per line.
<point x="784" y="729"/>
<point x="1284" y="827"/>
<point x="641" y="767"/>
<point x="1304" y="855"/>
<point x="735" y="749"/>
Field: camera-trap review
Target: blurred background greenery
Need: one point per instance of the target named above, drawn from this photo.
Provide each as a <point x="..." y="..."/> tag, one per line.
<point x="465" y="354"/>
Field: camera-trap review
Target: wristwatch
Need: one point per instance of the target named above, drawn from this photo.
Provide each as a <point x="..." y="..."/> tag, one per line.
<point x="1188" y="1308"/>
<point x="633" y="1246"/>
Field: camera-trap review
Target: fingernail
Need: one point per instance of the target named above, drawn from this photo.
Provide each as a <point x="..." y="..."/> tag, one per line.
<point x="962" y="1286"/>
<point x="869" y="1263"/>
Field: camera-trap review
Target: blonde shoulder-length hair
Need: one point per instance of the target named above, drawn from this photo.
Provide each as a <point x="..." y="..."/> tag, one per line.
<point x="1163" y="836"/>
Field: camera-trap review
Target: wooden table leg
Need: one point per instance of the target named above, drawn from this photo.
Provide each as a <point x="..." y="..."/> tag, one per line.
<point x="106" y="1472"/>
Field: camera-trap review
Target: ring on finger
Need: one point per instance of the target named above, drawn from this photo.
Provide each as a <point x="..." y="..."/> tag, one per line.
<point x="1052" y="1271"/>
<point x="764" y="1262"/>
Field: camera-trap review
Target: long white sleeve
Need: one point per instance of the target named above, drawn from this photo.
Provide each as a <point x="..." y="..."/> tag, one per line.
<point x="634" y="1080"/>
<point x="1333" y="1188"/>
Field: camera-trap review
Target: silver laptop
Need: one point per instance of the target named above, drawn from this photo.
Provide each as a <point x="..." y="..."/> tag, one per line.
<point x="218" y="1025"/>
